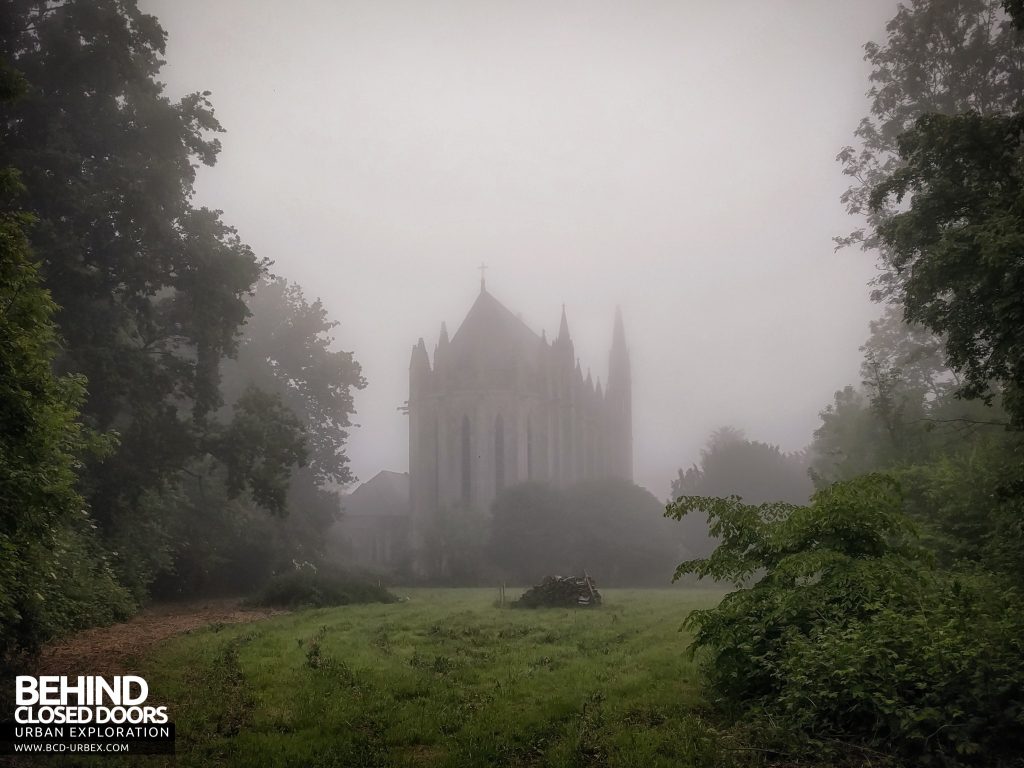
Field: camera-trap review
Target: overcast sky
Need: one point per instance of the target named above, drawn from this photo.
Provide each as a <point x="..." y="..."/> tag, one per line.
<point x="674" y="158"/>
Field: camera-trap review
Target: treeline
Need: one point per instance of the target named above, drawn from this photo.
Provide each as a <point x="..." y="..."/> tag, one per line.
<point x="172" y="414"/>
<point x="612" y="529"/>
<point x="883" y="622"/>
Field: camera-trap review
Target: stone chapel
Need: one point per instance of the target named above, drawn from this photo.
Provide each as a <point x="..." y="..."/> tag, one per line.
<point x="500" y="405"/>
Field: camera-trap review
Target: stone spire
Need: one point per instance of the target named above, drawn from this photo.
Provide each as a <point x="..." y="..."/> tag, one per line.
<point x="564" y="341"/>
<point x="441" y="348"/>
<point x="419" y="363"/>
<point x="619" y="399"/>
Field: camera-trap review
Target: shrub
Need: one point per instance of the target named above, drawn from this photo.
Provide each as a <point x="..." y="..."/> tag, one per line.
<point x="307" y="586"/>
<point x="845" y="632"/>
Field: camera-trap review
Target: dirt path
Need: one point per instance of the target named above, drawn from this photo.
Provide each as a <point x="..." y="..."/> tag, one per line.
<point x="117" y="649"/>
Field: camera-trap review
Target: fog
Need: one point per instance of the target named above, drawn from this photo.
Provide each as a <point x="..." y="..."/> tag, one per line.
<point x="676" y="159"/>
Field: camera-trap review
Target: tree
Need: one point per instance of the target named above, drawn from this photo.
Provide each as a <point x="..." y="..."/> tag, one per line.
<point x="730" y="464"/>
<point x="957" y="463"/>
<point x="957" y="245"/>
<point x="942" y="131"/>
<point x="941" y="57"/>
<point x="150" y="290"/>
<point x="286" y="349"/>
<point x="527" y="532"/>
<point x="453" y="546"/>
<point x="52" y="575"/>
<point x="617" y="532"/>
<point x="278" y="442"/>
<point x="612" y="529"/>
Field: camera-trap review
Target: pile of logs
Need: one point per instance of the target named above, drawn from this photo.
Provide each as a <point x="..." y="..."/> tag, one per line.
<point x="562" y="592"/>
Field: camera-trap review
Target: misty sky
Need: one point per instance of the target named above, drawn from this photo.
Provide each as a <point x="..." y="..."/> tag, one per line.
<point x="675" y="158"/>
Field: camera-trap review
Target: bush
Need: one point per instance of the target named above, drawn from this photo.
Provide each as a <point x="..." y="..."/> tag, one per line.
<point x="849" y="634"/>
<point x="307" y="586"/>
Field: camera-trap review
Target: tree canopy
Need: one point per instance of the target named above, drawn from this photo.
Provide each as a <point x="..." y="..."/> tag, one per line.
<point x="151" y="295"/>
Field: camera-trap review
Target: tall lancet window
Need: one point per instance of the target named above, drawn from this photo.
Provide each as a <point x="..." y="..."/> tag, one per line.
<point x="437" y="462"/>
<point x="499" y="453"/>
<point x="529" y="450"/>
<point x="466" y="463"/>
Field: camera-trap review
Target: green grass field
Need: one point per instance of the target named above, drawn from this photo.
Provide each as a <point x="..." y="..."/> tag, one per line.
<point x="445" y="678"/>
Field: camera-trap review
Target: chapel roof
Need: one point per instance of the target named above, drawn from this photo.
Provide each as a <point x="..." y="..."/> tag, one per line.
<point x="491" y="333"/>
<point x="386" y="493"/>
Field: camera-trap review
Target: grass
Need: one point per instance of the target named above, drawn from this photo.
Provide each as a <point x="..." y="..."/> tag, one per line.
<point x="445" y="678"/>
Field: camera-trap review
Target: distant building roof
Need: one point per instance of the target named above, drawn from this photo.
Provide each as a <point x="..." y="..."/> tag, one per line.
<point x="386" y="493"/>
<point x="492" y="336"/>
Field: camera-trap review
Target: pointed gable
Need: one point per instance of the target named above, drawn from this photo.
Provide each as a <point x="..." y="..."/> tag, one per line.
<point x="493" y="338"/>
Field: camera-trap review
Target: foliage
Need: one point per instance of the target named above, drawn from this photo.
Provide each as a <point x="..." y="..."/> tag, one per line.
<point x="957" y="245"/>
<point x="307" y="586"/>
<point x="150" y="290"/>
<point x="452" y="547"/>
<point x="203" y="540"/>
<point x="970" y="502"/>
<point x="260" y="446"/>
<point x="611" y="529"/>
<point x="153" y="295"/>
<point x="906" y="410"/>
<point x="942" y="57"/>
<point x="52" y="575"/>
<point x="528" y="532"/>
<point x="942" y="133"/>
<point x="959" y="465"/>
<point x="730" y="464"/>
<point x="285" y="349"/>
<point x="846" y="632"/>
<point x="276" y="444"/>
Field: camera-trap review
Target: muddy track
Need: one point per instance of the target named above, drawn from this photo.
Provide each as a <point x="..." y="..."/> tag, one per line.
<point x="119" y="648"/>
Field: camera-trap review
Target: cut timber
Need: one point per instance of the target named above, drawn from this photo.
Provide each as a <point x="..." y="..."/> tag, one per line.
<point x="562" y="592"/>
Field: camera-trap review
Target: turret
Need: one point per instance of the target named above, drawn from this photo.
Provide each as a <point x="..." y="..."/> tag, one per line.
<point x="619" y="404"/>
<point x="419" y="369"/>
<point x="563" y="341"/>
<point x="441" y="349"/>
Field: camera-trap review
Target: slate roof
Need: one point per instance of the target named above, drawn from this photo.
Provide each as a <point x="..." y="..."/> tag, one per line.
<point x="493" y="337"/>
<point x="386" y="493"/>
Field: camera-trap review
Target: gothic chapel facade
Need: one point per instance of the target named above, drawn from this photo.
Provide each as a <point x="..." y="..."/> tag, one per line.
<point x="501" y="405"/>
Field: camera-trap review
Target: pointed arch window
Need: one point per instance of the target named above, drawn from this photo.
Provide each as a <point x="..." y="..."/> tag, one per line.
<point x="529" y="450"/>
<point x="467" y="485"/>
<point x="499" y="453"/>
<point x="437" y="461"/>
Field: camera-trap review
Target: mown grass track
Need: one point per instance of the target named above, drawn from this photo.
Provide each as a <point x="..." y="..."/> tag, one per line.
<point x="444" y="678"/>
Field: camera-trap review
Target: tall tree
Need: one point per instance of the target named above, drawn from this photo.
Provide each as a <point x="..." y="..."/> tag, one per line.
<point x="732" y="465"/>
<point x="611" y="528"/>
<point x="52" y="574"/>
<point x="957" y="245"/>
<point x="150" y="290"/>
<point x="941" y="57"/>
<point x="286" y="349"/>
<point x="937" y="178"/>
